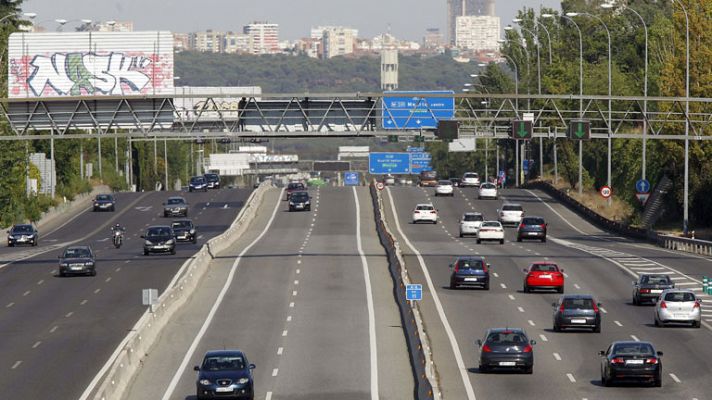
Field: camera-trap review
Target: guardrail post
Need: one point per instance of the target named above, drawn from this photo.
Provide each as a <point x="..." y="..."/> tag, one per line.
<point x="705" y="284"/>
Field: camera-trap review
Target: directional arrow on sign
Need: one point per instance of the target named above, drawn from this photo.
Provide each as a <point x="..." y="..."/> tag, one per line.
<point x="579" y="130"/>
<point x="522" y="132"/>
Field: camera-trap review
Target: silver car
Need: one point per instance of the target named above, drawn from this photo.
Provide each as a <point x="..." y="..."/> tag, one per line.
<point x="678" y="306"/>
<point x="510" y="214"/>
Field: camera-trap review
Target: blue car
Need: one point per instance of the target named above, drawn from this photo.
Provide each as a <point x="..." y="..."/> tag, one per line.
<point x="225" y="374"/>
<point x="470" y="271"/>
<point x="198" y="183"/>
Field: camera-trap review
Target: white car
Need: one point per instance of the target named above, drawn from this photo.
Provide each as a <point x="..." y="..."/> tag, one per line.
<point x="425" y="212"/>
<point x="470" y="223"/>
<point x="470" y="179"/>
<point x="487" y="191"/>
<point x="490" y="230"/>
<point x="511" y="214"/>
<point x="444" y="188"/>
<point x="389" y="180"/>
<point x="678" y="306"/>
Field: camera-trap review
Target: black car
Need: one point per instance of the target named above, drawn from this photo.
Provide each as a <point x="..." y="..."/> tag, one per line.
<point x="456" y="181"/>
<point x="22" y="234"/>
<point x="300" y="201"/>
<point x="506" y="348"/>
<point x="104" y="202"/>
<point x="470" y="271"/>
<point x="648" y="287"/>
<point x="631" y="361"/>
<point x="532" y="228"/>
<point x="198" y="183"/>
<point x="159" y="239"/>
<point x="578" y="311"/>
<point x="225" y="374"/>
<point x="175" y="207"/>
<point x="77" y="260"/>
<point x="295" y="187"/>
<point x="213" y="181"/>
<point x="184" y="230"/>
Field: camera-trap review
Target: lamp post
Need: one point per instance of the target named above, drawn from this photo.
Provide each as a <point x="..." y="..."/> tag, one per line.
<point x="610" y="132"/>
<point x="516" y="106"/>
<point x="526" y="54"/>
<point x="685" y="223"/>
<point x="580" y="174"/>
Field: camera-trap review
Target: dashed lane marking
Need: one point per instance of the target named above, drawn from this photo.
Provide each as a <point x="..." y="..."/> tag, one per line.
<point x="83" y="302"/>
<point x="543" y="338"/>
<point x="16" y="364"/>
<point x="275" y="372"/>
<point x="531" y="323"/>
<point x="280" y="351"/>
<point x="54" y="328"/>
<point x="635" y="338"/>
<point x="36" y="345"/>
<point x="291" y="305"/>
<point x="557" y="357"/>
<point x="10" y="304"/>
<point x="617" y="323"/>
<point x="26" y="293"/>
<point x="503" y="285"/>
<point x="571" y="378"/>
<point x="289" y="318"/>
<point x="511" y="297"/>
<point x="520" y="309"/>
<point x="675" y="378"/>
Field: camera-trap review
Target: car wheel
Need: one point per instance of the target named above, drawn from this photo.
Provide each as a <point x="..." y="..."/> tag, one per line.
<point x="484" y="369"/>
<point x="605" y="381"/>
<point x="519" y="239"/>
<point x="173" y="251"/>
<point x="10" y="245"/>
<point x="461" y="235"/>
<point x="479" y="241"/>
<point x="501" y="241"/>
<point x="543" y="240"/>
<point x="560" y="290"/>
<point x="479" y="197"/>
<point x="145" y="252"/>
<point x="61" y="274"/>
<point x="696" y="324"/>
<point x="635" y="301"/>
<point x="597" y="328"/>
<point x="93" y="273"/>
<point x="658" y="382"/>
<point x="34" y="244"/>
<point x="657" y="322"/>
<point x="557" y="328"/>
<point x="525" y="289"/>
<point x="195" y="240"/>
<point x="165" y="215"/>
<point x="453" y="285"/>
<point x="435" y="222"/>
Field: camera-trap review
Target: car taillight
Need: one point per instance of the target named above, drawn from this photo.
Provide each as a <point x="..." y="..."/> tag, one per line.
<point x="617" y="360"/>
<point x="527" y="348"/>
<point x="644" y="290"/>
<point x="416" y="212"/>
<point x="651" y="360"/>
<point x="663" y="305"/>
<point x="595" y="307"/>
<point x="484" y="268"/>
<point x="697" y="304"/>
<point x="486" y="349"/>
<point x="521" y="226"/>
<point x="543" y="226"/>
<point x="457" y="267"/>
<point x="561" y="307"/>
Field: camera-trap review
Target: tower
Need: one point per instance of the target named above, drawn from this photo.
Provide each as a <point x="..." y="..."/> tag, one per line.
<point x="457" y="8"/>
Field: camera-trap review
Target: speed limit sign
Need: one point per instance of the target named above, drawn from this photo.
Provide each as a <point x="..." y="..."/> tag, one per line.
<point x="379" y="185"/>
<point x="606" y="192"/>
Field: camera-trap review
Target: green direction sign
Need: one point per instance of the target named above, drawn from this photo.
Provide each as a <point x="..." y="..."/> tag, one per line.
<point x="580" y="129"/>
<point x="521" y="129"/>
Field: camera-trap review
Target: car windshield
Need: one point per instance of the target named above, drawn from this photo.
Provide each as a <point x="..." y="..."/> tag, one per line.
<point x="162" y="231"/>
<point x="491" y="224"/>
<point x="181" y="224"/>
<point x="212" y="177"/>
<point x="428" y="174"/>
<point x="488" y="186"/>
<point x="223" y="363"/>
<point x="633" y="349"/>
<point x="197" y="179"/>
<point x="424" y="208"/>
<point x="300" y="196"/>
<point x="581" y="304"/>
<point x="174" y="201"/>
<point x="679" y="296"/>
<point x="545" y="267"/>
<point x="444" y="183"/>
<point x="470" y="175"/>
<point x="511" y="208"/>
<point x="22" y="229"/>
<point x="533" y="221"/>
<point x="293" y="186"/>
<point x="470" y="264"/>
<point x="472" y="218"/>
<point x="77" y="253"/>
<point x="103" y="197"/>
<point x="655" y="279"/>
<point x="507" y="337"/>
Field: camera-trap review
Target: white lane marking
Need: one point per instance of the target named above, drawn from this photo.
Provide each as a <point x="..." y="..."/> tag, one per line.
<point x="36" y="345"/>
<point x="16" y="364"/>
<point x="511" y="297"/>
<point x="289" y="318"/>
<point x="635" y="338"/>
<point x="577" y="286"/>
<point x="291" y="304"/>
<point x="97" y="291"/>
<point x="675" y="378"/>
<point x="208" y="320"/>
<point x="10" y="304"/>
<point x="603" y="310"/>
<point x="686" y="283"/>
<point x="117" y="269"/>
<point x="54" y="328"/>
<point x="543" y="338"/>
<point x="557" y="357"/>
<point x="26" y="293"/>
<point x="531" y="323"/>
<point x="299" y="261"/>
<point x="280" y="351"/>
<point x="496" y="275"/>
<point x="296" y="282"/>
<point x="298" y="271"/>
<point x="294" y="292"/>
<point x="83" y="302"/>
<point x="107" y="279"/>
<point x="464" y="374"/>
<point x="571" y="378"/>
<point x="275" y="371"/>
<point x="69" y="314"/>
<point x="127" y="261"/>
<point x="520" y="309"/>
<point x="41" y="281"/>
<point x="503" y="285"/>
<point x="373" y="344"/>
<point x="617" y="323"/>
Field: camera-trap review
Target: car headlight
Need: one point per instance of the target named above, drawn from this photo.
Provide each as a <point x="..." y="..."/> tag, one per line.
<point x="64" y="264"/>
<point x="89" y="264"/>
<point x="11" y="237"/>
<point x="96" y="204"/>
<point x="243" y="381"/>
<point x="307" y="203"/>
<point x="169" y="241"/>
<point x="148" y="243"/>
<point x="205" y="382"/>
<point x="192" y="231"/>
<point x="291" y="203"/>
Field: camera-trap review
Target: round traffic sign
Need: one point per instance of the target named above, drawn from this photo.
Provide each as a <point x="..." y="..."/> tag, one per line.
<point x="606" y="192"/>
<point x="380" y="185"/>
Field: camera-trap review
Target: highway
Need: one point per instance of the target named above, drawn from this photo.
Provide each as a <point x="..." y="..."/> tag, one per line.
<point x="308" y="304"/>
<point x="58" y="332"/>
<point x="566" y="364"/>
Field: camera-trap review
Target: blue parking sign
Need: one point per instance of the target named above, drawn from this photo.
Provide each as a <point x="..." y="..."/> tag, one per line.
<point x="414" y="292"/>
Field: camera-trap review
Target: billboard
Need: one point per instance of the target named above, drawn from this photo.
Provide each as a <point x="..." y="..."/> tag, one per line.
<point x="210" y="102"/>
<point x="62" y="64"/>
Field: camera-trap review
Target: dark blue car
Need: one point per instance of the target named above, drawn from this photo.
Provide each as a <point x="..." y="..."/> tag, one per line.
<point x="470" y="271"/>
<point x="225" y="374"/>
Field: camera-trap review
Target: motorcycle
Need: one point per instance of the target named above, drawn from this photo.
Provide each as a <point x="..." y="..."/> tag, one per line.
<point x="118" y="238"/>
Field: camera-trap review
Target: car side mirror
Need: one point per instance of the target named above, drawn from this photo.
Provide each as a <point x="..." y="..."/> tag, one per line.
<point x="252" y="366"/>
<point x="660" y="353"/>
<point x="498" y="211"/>
<point x="601" y="353"/>
<point x="489" y="266"/>
<point x="196" y="368"/>
<point x="634" y="283"/>
<point x="450" y="265"/>
<point x="479" y="342"/>
<point x="561" y="270"/>
<point x="143" y="236"/>
<point x="524" y="269"/>
<point x="59" y="257"/>
<point x="532" y="342"/>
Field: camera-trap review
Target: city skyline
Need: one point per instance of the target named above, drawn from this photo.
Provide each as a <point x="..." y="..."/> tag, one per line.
<point x="295" y="18"/>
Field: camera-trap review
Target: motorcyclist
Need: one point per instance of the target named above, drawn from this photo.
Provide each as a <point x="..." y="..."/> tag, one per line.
<point x="117" y="232"/>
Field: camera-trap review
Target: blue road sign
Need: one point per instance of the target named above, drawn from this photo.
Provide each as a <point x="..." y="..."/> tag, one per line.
<point x="415" y="110"/>
<point x="642" y="186"/>
<point x="414" y="292"/>
<point x="351" y="178"/>
<point x="420" y="162"/>
<point x="389" y="163"/>
<point x="412" y="149"/>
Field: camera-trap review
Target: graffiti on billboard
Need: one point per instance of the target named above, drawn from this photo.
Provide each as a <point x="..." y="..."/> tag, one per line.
<point x="87" y="73"/>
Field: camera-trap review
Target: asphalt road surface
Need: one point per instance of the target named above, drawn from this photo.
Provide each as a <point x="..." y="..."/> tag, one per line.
<point x="58" y="332"/>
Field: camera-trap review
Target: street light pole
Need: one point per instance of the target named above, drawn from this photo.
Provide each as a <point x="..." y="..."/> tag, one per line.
<point x="516" y="105"/>
<point x="538" y="69"/>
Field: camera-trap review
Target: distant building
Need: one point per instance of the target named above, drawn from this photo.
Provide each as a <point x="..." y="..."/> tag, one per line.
<point x="389" y="69"/>
<point x="433" y="39"/>
<point x="208" y="41"/>
<point x="114" y="26"/>
<point x="237" y="43"/>
<point x="477" y="33"/>
<point x="181" y="42"/>
<point x="462" y="8"/>
<point x="338" y="41"/>
<point x="265" y="37"/>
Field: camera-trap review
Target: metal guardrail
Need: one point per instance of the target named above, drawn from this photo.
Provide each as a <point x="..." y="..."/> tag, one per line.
<point x="688" y="245"/>
<point x="415" y="336"/>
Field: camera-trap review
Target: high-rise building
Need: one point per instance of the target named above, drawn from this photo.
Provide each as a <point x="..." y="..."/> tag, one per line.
<point x="389" y="69"/>
<point x="181" y="41"/>
<point x="461" y="8"/>
<point x="234" y="42"/>
<point x="337" y="41"/>
<point x="265" y="37"/>
<point x="433" y="38"/>
<point x="208" y="41"/>
<point x="477" y="33"/>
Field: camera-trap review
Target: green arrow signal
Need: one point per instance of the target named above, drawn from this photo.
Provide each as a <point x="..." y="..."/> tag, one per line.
<point x="522" y="132"/>
<point x="579" y="131"/>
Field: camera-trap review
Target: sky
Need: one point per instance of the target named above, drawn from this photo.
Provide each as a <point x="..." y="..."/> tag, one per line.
<point x="407" y="19"/>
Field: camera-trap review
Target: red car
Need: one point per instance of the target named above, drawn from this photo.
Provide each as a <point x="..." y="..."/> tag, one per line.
<point x="544" y="275"/>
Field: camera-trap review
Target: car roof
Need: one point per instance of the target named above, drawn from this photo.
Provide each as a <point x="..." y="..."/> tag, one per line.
<point x="512" y="204"/>
<point x="182" y="220"/>
<point x="176" y="197"/>
<point x="624" y="342"/>
<point x="678" y="290"/>
<point x="218" y="353"/>
<point x="577" y="296"/>
<point x="543" y="263"/>
<point x="79" y="247"/>
<point x="472" y="213"/>
<point x="158" y="226"/>
<point x="18" y="225"/>
<point x="424" y="204"/>
<point x="498" y="330"/>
